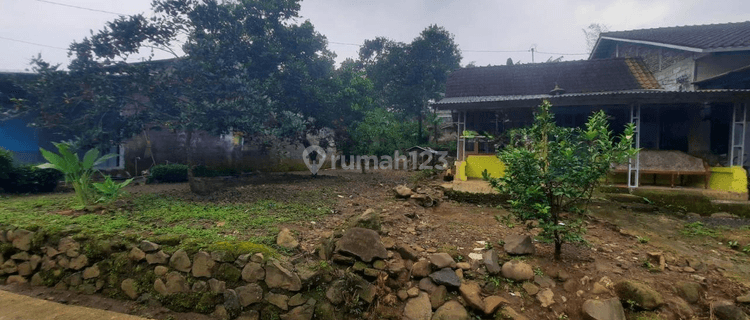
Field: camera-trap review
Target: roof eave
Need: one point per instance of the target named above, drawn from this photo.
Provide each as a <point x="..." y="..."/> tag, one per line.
<point x="653" y="43"/>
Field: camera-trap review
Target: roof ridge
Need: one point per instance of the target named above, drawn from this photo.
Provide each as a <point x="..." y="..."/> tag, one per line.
<point x="675" y="27"/>
<point x="549" y="63"/>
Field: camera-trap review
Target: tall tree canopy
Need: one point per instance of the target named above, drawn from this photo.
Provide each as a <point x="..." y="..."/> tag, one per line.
<point x="408" y="76"/>
<point x="248" y="67"/>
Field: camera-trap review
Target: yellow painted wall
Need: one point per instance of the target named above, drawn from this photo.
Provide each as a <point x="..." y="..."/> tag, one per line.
<point x="461" y="170"/>
<point x="474" y="165"/>
<point x="732" y="179"/>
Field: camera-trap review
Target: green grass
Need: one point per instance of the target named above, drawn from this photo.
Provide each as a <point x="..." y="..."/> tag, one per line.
<point x="198" y="224"/>
<point x="698" y="229"/>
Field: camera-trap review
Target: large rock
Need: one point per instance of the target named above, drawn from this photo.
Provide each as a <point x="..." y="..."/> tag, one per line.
<point x="492" y="303"/>
<point x="546" y="297"/>
<point x="130" y="288"/>
<point x="402" y="191"/>
<point x="135" y="254"/>
<point x="253" y="272"/>
<point x="446" y="277"/>
<point x="427" y="285"/>
<point x="470" y="291"/>
<point x="180" y="261"/>
<point x="203" y="265"/>
<point x="442" y="260"/>
<point x="228" y="272"/>
<point x="279" y="300"/>
<point x="78" y="262"/>
<point x="519" y="245"/>
<point x="437" y="296"/>
<point x="407" y="252"/>
<point x="22" y="239"/>
<point x="421" y="269"/>
<point x="690" y="291"/>
<point x="249" y="294"/>
<point x="148" y="246"/>
<point x="491" y="262"/>
<point x="286" y="239"/>
<point x="176" y="283"/>
<point x="517" y="270"/>
<point x="279" y="277"/>
<point x="451" y="310"/>
<point x="303" y="312"/>
<point x="159" y="257"/>
<point x="91" y="272"/>
<point x="368" y="220"/>
<point x="644" y="296"/>
<point x="336" y="291"/>
<point x="232" y="303"/>
<point x="610" y="309"/>
<point x="362" y="243"/>
<point x="729" y="312"/>
<point x="418" y="308"/>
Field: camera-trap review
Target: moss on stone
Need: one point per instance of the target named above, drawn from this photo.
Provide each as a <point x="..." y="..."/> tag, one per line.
<point x="243" y="247"/>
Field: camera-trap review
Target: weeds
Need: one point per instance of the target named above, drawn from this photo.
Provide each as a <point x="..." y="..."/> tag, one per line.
<point x="643" y="239"/>
<point x="698" y="229"/>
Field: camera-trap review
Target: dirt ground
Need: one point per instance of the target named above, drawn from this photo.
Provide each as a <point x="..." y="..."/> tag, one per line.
<point x="619" y="237"/>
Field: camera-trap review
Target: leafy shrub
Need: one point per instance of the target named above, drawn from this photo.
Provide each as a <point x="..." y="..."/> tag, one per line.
<point x="30" y="179"/>
<point x="6" y="163"/>
<point x="76" y="171"/>
<point x="109" y="189"/>
<point x="551" y="170"/>
<point x="169" y="173"/>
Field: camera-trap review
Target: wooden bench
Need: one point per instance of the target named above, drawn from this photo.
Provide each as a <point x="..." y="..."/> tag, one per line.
<point x="669" y="162"/>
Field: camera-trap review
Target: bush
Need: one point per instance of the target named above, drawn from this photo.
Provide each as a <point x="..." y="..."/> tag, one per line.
<point x="30" y="179"/>
<point x="6" y="164"/>
<point x="169" y="173"/>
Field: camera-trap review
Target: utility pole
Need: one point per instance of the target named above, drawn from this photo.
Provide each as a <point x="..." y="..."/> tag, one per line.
<point x="532" y="55"/>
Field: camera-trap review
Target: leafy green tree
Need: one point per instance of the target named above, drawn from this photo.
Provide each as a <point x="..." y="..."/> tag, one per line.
<point x="408" y="76"/>
<point x="550" y="170"/>
<point x="381" y="132"/>
<point x="248" y="67"/>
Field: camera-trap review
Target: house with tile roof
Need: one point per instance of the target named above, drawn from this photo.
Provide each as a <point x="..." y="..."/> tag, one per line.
<point x="715" y="56"/>
<point x="685" y="88"/>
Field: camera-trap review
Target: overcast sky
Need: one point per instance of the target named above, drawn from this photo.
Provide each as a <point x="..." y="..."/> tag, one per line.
<point x="478" y="25"/>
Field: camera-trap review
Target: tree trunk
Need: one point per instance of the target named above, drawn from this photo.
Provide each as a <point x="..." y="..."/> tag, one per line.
<point x="558" y="246"/>
<point x="558" y="239"/>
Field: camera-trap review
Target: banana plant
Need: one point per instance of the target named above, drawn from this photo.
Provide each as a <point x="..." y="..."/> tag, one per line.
<point x="109" y="189"/>
<point x="77" y="172"/>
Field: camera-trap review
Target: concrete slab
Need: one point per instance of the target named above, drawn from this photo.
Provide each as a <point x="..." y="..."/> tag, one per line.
<point x="18" y="307"/>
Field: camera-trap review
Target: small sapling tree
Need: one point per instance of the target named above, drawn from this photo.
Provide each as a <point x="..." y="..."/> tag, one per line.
<point x="551" y="169"/>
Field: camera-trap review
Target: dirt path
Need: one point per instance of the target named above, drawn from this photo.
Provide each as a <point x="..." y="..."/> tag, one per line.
<point x="19" y="307"/>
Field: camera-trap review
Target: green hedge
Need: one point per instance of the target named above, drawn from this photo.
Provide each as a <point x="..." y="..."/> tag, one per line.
<point x="178" y="172"/>
<point x="30" y="179"/>
<point x="168" y="173"/>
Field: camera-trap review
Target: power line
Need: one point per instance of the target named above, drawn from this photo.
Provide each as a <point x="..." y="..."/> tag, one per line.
<point x="33" y="43"/>
<point x="82" y="8"/>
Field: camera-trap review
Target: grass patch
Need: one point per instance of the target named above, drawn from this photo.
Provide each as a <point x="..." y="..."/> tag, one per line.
<point x="187" y="224"/>
<point x="698" y="229"/>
